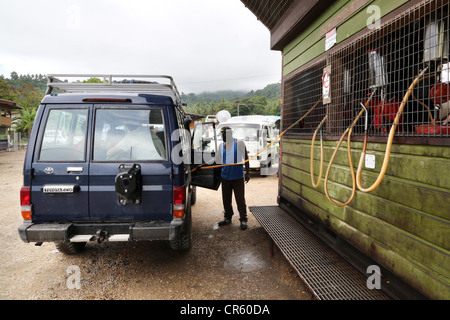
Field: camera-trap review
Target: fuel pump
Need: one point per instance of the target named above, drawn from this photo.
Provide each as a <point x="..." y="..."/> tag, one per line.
<point x="436" y="56"/>
<point x="383" y="110"/>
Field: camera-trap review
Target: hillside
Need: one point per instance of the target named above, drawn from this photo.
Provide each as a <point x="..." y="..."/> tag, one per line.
<point x="263" y="101"/>
<point x="271" y="91"/>
<point x="27" y="91"/>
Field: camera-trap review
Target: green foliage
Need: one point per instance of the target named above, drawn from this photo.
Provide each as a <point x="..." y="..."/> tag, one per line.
<point x="92" y="80"/>
<point x="28" y="96"/>
<point x="24" y="120"/>
<point x="38" y="81"/>
<point x="271" y="91"/>
<point x="27" y="92"/>
<point x="266" y="101"/>
<point x="7" y="92"/>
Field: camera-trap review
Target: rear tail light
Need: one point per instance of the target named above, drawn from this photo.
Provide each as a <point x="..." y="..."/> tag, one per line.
<point x="25" y="202"/>
<point x="179" y="200"/>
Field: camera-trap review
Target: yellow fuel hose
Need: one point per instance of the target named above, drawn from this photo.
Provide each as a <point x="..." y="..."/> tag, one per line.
<point x="316" y="184"/>
<point x="352" y="170"/>
<point x="420" y="102"/>
<point x="279" y="137"/>
<point x="389" y="142"/>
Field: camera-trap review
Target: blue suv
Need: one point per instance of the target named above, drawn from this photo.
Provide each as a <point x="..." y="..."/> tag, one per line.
<point x="100" y="165"/>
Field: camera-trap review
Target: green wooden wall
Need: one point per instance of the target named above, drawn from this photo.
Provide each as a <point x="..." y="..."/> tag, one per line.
<point x="404" y="224"/>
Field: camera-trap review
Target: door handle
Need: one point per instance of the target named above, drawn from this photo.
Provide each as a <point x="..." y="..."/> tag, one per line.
<point x="75" y="169"/>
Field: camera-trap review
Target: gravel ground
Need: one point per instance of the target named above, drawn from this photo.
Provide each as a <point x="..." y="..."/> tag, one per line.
<point x="223" y="264"/>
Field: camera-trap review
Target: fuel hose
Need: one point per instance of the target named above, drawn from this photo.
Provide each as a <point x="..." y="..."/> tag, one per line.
<point x="387" y="154"/>
<point x="319" y="127"/>
<point x="348" y="132"/>
<point x="201" y="167"/>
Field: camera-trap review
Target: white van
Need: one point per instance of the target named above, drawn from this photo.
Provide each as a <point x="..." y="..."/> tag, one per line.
<point x="257" y="132"/>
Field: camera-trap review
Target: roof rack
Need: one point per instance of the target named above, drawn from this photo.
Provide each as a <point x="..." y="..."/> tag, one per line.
<point x="148" y="84"/>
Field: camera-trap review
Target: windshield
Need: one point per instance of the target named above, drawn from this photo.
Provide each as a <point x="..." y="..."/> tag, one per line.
<point x="243" y="131"/>
<point x="129" y="135"/>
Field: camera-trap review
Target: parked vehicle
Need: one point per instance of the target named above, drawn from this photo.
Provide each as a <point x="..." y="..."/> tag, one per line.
<point x="257" y="132"/>
<point x="100" y="165"/>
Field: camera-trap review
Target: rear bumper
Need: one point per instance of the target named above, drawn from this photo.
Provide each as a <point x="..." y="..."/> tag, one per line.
<point x="81" y="232"/>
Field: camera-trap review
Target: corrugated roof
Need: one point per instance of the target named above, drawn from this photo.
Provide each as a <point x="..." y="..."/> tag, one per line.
<point x="268" y="12"/>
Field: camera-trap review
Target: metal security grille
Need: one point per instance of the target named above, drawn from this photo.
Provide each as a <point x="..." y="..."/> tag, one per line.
<point x="383" y="65"/>
<point x="327" y="275"/>
<point x="300" y="94"/>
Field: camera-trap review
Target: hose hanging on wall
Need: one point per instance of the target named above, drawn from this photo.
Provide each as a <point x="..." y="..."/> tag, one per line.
<point x="352" y="170"/>
<point x="389" y="143"/>
<point x="319" y="127"/>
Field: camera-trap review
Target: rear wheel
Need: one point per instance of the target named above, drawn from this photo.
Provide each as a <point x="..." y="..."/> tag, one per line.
<point x="70" y="247"/>
<point x="183" y="240"/>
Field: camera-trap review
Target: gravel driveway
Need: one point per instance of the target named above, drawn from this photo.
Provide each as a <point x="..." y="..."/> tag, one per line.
<point x="223" y="264"/>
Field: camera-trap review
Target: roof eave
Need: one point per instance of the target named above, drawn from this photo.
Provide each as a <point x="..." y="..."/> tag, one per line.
<point x="299" y="16"/>
<point x="294" y="19"/>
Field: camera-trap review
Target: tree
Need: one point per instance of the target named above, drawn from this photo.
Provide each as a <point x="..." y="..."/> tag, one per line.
<point x="7" y="92"/>
<point x="28" y="96"/>
<point x="14" y="76"/>
<point x="92" y="80"/>
<point x="24" y="121"/>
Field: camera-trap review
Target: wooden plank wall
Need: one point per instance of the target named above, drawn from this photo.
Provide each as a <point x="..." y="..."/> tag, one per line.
<point x="404" y="224"/>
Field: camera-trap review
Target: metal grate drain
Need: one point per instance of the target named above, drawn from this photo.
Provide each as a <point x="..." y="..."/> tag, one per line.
<point x="327" y="275"/>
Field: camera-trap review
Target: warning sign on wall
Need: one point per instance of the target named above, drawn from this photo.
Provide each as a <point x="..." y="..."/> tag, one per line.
<point x="330" y="39"/>
<point x="326" y="85"/>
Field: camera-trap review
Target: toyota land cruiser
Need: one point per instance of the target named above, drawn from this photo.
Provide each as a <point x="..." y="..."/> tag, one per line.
<point x="100" y="164"/>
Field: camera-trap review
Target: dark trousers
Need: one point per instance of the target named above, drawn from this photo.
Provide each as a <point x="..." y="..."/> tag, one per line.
<point x="228" y="186"/>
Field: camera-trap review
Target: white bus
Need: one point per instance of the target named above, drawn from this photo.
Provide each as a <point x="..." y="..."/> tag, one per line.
<point x="257" y="132"/>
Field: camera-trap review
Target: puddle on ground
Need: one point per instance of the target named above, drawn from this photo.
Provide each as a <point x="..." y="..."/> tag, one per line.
<point x="245" y="261"/>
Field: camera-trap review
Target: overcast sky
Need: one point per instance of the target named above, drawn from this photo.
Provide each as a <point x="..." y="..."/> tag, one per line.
<point x="206" y="45"/>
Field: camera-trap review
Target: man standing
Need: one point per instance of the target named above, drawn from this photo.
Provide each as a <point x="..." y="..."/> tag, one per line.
<point x="233" y="151"/>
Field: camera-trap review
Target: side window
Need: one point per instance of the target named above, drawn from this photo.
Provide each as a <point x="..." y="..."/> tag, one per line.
<point x="129" y="135"/>
<point x="64" y="136"/>
<point x="184" y="137"/>
<point x="204" y="137"/>
<point x="265" y="133"/>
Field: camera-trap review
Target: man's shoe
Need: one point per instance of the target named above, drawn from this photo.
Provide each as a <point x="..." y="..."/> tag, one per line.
<point x="243" y="225"/>
<point x="224" y="222"/>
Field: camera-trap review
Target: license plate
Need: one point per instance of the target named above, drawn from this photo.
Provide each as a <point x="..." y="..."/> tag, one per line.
<point x="60" y="188"/>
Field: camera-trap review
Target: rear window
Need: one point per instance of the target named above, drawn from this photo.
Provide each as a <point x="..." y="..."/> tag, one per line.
<point x="129" y="135"/>
<point x="64" y="136"/>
